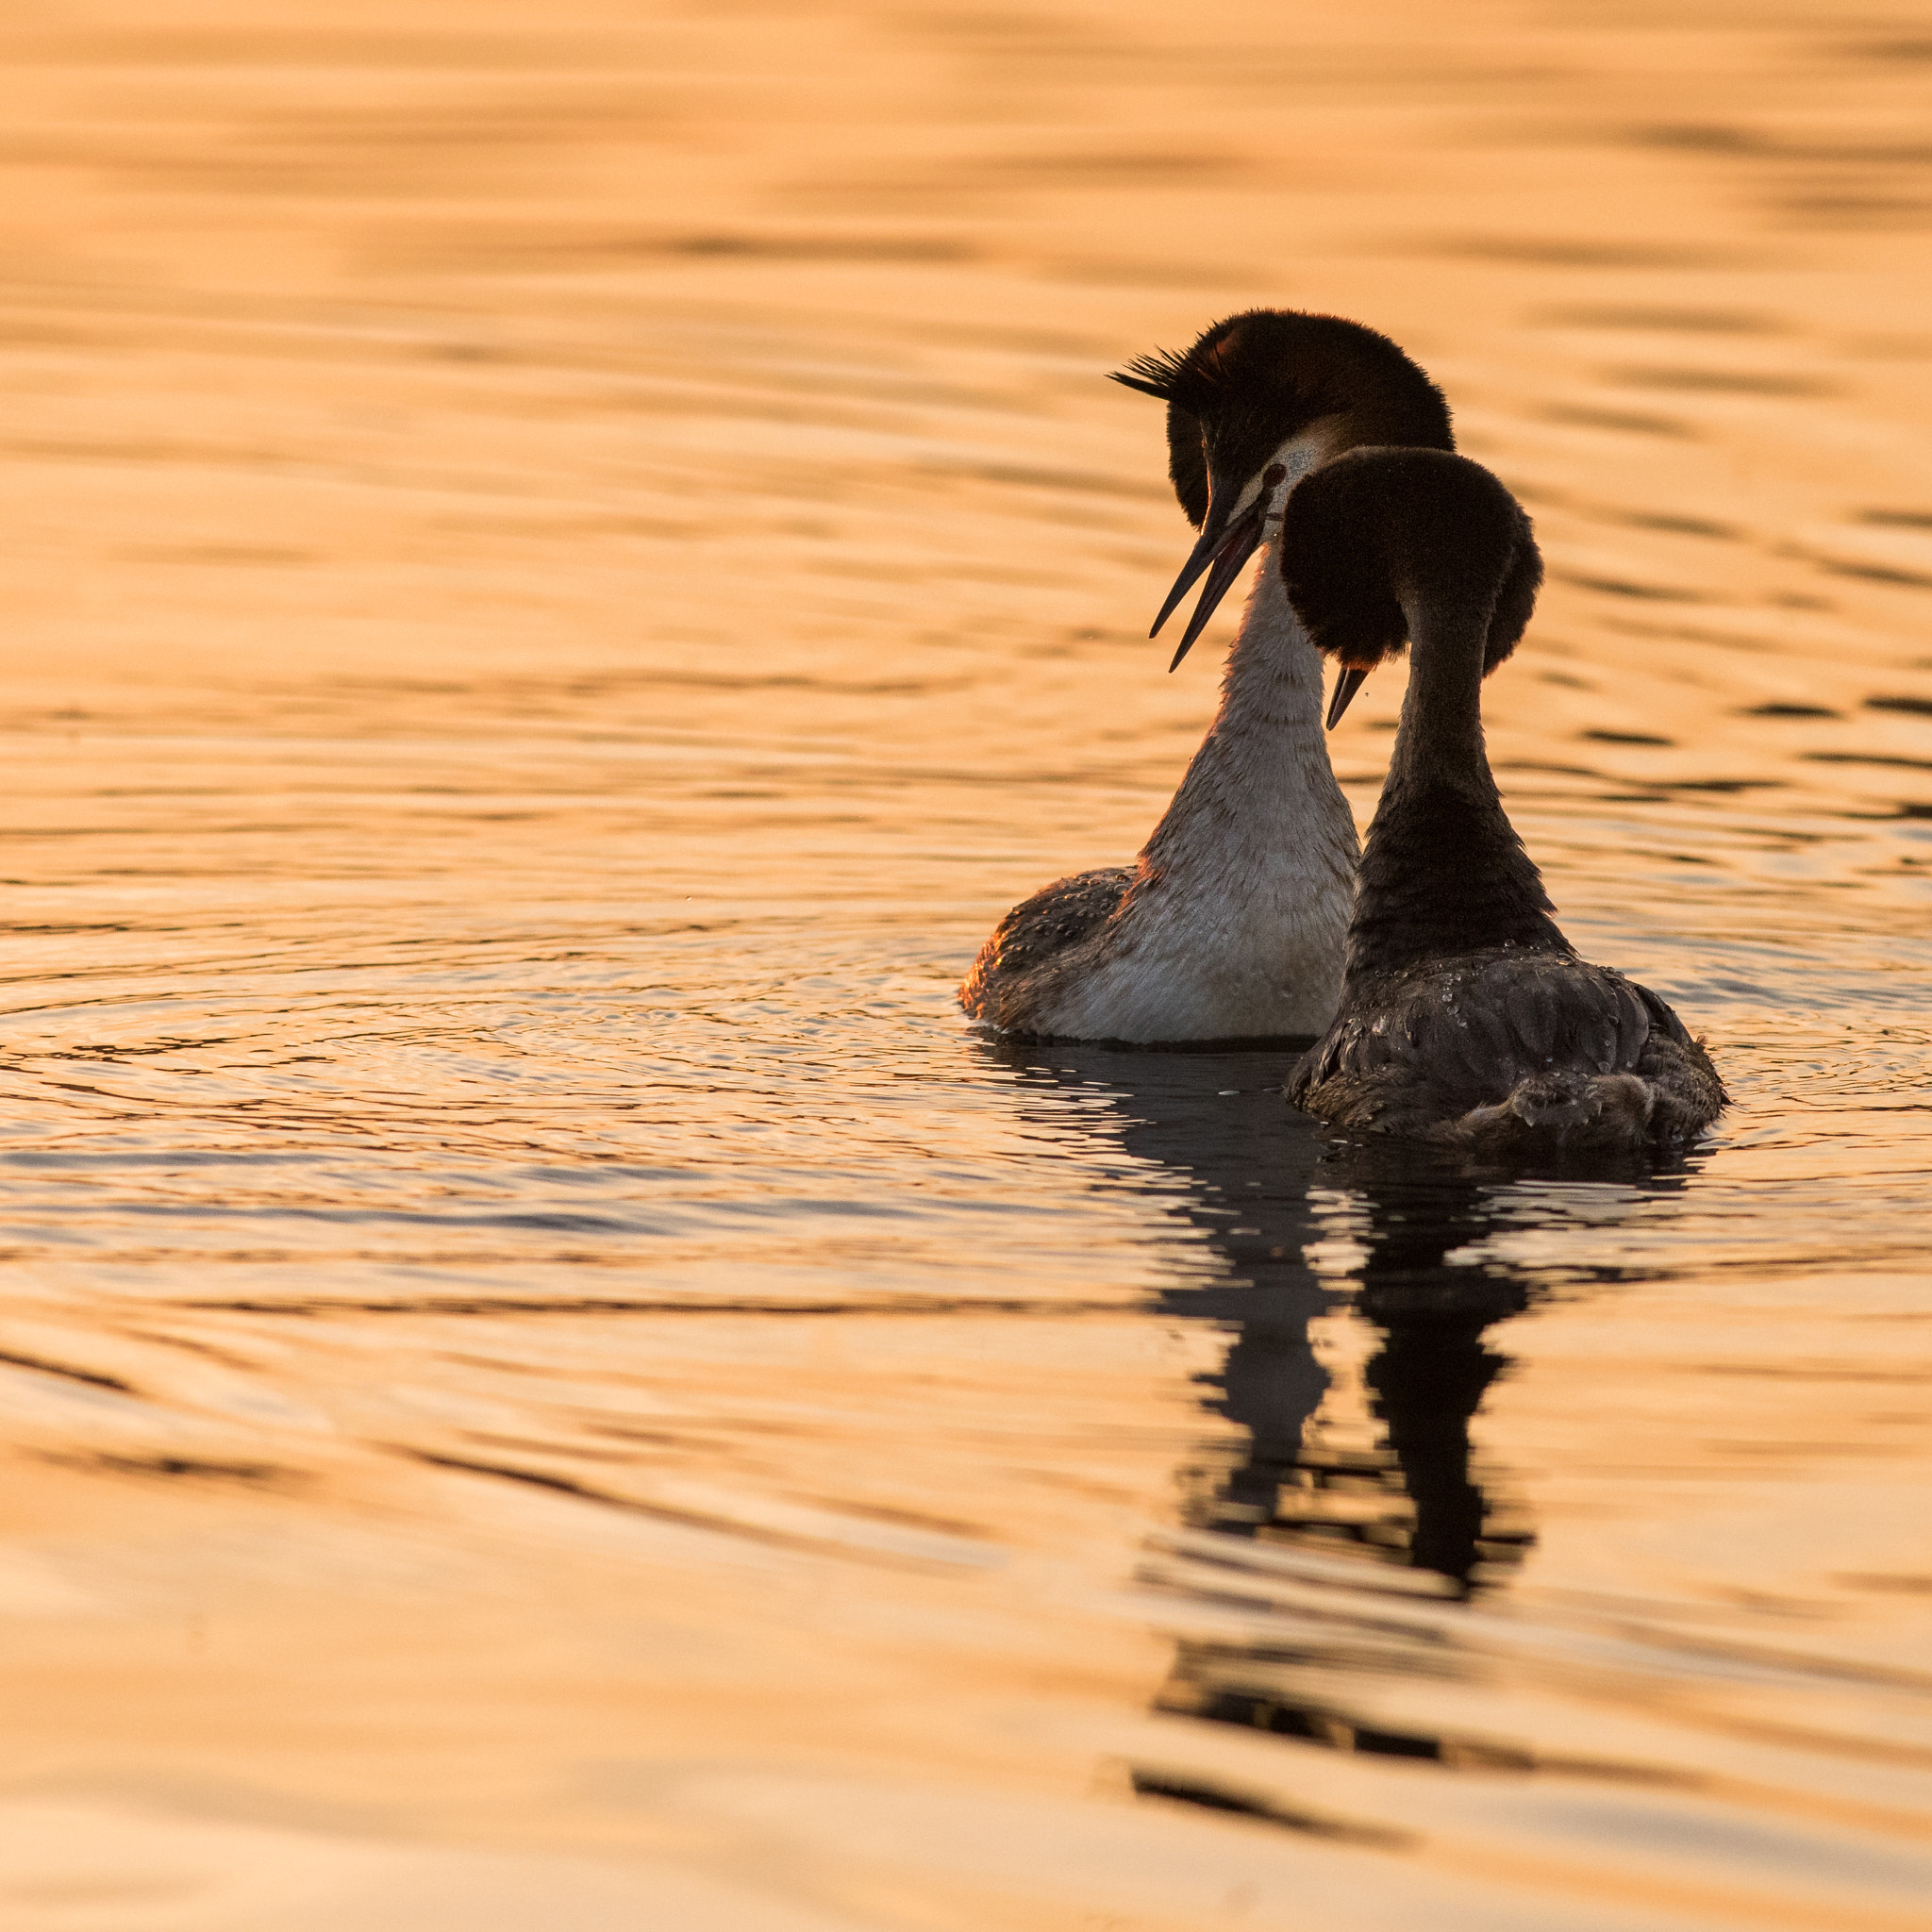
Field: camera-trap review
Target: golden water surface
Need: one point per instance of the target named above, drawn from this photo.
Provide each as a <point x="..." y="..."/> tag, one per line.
<point x="562" y="564"/>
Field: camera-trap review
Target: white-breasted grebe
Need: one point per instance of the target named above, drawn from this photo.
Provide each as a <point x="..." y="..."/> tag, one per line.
<point x="1466" y="1016"/>
<point x="1231" y="923"/>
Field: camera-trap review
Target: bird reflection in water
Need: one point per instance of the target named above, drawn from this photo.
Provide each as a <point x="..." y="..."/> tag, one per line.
<point x="1366" y="1472"/>
<point x="1257" y="1184"/>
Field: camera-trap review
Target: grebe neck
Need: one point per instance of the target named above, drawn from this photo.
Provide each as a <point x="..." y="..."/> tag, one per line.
<point x="1263" y="769"/>
<point x="1443" y="870"/>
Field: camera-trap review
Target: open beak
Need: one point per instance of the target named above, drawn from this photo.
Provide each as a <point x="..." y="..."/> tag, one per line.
<point x="1348" y="680"/>
<point x="1226" y="544"/>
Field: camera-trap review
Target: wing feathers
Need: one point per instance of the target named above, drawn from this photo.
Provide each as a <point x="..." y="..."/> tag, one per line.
<point x="1463" y="1032"/>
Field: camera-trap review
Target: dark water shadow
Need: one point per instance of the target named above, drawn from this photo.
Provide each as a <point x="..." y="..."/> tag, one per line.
<point x="1258" y="1182"/>
<point x="1254" y="1190"/>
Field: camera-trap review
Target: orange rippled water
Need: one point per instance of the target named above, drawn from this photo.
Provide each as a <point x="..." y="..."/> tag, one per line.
<point x="564" y="565"/>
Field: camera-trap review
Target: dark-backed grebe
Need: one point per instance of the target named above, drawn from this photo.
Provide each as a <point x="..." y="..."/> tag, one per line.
<point x="1230" y="924"/>
<point x="1466" y="1016"/>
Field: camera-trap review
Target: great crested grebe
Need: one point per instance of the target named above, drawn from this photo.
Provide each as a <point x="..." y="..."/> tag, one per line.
<point x="1230" y="924"/>
<point x="1466" y="1016"/>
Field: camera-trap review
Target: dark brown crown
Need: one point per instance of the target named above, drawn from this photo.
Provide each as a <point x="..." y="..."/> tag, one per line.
<point x="1255" y="379"/>
<point x="1376" y="535"/>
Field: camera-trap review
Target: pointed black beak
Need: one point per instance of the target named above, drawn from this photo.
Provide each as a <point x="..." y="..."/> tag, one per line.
<point x="1348" y="680"/>
<point x="1226" y="544"/>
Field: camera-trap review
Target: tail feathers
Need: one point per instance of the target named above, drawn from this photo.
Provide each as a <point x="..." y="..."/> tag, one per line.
<point x="1562" y="1109"/>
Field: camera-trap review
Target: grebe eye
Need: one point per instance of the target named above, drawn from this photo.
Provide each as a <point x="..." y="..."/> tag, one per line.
<point x="1273" y="475"/>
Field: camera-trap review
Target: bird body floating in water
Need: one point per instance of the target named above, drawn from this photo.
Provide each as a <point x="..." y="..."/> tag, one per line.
<point x="1466" y="1016"/>
<point x="1231" y="923"/>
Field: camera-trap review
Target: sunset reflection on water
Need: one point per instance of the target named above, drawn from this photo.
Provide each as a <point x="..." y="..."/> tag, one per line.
<point x="565" y="565"/>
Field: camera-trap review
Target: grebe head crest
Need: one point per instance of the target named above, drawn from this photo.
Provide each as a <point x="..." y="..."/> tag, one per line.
<point x="1258" y="401"/>
<point x="1380" y="536"/>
